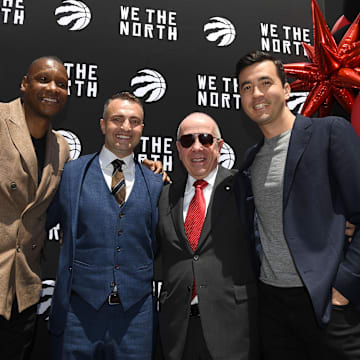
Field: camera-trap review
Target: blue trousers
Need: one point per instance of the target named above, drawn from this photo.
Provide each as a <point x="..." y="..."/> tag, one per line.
<point x="107" y="334"/>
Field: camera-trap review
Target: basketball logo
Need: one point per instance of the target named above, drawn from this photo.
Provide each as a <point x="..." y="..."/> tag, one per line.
<point x="74" y="143"/>
<point x="149" y="85"/>
<point x="227" y="156"/>
<point x="74" y="14"/>
<point x="220" y="30"/>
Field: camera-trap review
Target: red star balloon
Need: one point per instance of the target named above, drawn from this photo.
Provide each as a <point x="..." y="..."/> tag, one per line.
<point x="333" y="70"/>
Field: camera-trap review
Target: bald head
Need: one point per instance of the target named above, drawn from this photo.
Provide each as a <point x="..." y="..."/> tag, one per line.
<point x="44" y="59"/>
<point x="198" y="118"/>
<point x="199" y="143"/>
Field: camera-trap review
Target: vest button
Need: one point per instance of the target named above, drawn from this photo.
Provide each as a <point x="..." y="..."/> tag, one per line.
<point x="70" y="269"/>
<point x="18" y="248"/>
<point x="117" y="267"/>
<point x="13" y="186"/>
<point x="196" y="257"/>
<point x="121" y="215"/>
<point x="112" y="284"/>
<point x="118" y="249"/>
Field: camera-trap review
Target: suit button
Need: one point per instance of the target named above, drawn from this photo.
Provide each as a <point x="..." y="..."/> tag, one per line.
<point x="118" y="249"/>
<point x="121" y="215"/>
<point x="112" y="284"/>
<point x="196" y="257"/>
<point x="227" y="188"/>
<point x="120" y="232"/>
<point x="13" y="186"/>
<point x="18" y="248"/>
<point x="117" y="267"/>
<point x="70" y="268"/>
<point x="33" y="246"/>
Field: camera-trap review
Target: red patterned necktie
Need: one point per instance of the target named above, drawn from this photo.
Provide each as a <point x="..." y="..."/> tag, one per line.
<point x="195" y="218"/>
<point x="118" y="182"/>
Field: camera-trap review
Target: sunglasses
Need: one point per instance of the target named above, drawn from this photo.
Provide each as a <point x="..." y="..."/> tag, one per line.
<point x="205" y="140"/>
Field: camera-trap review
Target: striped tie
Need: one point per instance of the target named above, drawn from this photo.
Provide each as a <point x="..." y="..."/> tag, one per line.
<point x="118" y="182"/>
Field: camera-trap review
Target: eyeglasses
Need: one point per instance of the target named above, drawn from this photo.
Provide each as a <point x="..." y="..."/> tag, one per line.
<point x="205" y="139"/>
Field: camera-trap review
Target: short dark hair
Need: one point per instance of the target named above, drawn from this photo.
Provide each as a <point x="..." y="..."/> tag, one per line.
<point x="124" y="95"/>
<point x="259" y="56"/>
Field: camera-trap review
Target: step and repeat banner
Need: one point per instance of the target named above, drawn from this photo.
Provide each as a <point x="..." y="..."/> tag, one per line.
<point x="177" y="56"/>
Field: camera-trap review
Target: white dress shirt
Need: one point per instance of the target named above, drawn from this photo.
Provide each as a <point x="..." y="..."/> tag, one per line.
<point x="190" y="190"/>
<point x="128" y="169"/>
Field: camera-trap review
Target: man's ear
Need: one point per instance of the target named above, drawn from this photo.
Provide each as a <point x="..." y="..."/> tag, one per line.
<point x="179" y="149"/>
<point x="24" y="83"/>
<point x="287" y="90"/>
<point x="102" y="125"/>
<point x="220" y="144"/>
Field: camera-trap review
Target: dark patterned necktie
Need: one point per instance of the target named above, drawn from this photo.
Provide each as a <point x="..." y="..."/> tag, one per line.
<point x="118" y="182"/>
<point x="195" y="219"/>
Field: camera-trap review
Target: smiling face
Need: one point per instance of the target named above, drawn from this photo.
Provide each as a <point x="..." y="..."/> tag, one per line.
<point x="198" y="159"/>
<point x="263" y="96"/>
<point x="122" y="126"/>
<point x="45" y="88"/>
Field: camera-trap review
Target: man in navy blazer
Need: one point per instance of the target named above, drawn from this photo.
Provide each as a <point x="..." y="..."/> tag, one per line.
<point x="305" y="182"/>
<point x="103" y="306"/>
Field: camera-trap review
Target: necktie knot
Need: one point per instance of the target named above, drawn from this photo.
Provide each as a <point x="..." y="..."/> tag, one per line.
<point x="200" y="184"/>
<point x="117" y="164"/>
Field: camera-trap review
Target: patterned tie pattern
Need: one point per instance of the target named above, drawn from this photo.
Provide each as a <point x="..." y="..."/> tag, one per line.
<point x="196" y="214"/>
<point x="195" y="219"/>
<point x="118" y="182"/>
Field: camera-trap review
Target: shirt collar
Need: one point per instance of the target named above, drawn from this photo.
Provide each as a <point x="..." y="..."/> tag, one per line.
<point x="106" y="157"/>
<point x="210" y="179"/>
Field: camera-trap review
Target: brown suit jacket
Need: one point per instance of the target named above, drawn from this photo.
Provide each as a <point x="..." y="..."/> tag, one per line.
<point x="23" y="205"/>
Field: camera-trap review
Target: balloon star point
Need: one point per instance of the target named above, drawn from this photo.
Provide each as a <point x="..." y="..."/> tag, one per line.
<point x="333" y="71"/>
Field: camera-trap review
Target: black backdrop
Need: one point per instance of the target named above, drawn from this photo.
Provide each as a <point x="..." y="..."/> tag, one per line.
<point x="178" y="56"/>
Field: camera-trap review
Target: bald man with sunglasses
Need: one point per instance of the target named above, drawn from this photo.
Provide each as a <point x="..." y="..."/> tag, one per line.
<point x="207" y="303"/>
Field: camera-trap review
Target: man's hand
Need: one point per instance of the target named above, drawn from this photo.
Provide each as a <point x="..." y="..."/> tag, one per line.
<point x="338" y="299"/>
<point x="157" y="168"/>
<point x="349" y="230"/>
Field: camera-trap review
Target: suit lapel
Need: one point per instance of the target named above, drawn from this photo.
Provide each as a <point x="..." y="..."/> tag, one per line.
<point x="176" y="208"/>
<point x="153" y="200"/>
<point x="221" y="192"/>
<point x="300" y="137"/>
<point x="76" y="179"/>
<point x="219" y="196"/>
<point x="21" y="138"/>
<point x="51" y="161"/>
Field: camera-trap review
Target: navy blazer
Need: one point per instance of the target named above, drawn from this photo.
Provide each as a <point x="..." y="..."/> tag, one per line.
<point x="321" y="191"/>
<point x="65" y="209"/>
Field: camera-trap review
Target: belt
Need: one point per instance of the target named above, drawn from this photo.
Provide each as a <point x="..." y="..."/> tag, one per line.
<point x="114" y="299"/>
<point x="194" y="310"/>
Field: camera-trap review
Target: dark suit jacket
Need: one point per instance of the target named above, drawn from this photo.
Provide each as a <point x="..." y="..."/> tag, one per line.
<point x="223" y="270"/>
<point x="321" y="191"/>
<point x="65" y="209"/>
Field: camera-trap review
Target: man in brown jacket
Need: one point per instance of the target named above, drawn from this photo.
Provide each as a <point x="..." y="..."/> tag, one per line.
<point x="32" y="158"/>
